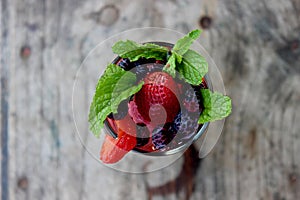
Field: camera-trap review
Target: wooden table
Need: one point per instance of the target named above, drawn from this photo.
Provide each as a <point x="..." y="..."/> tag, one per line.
<point x="255" y="44"/>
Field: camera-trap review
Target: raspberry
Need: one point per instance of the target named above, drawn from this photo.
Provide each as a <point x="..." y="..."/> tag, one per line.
<point x="134" y="113"/>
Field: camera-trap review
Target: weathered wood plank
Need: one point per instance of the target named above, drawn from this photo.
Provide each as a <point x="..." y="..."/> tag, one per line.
<point x="255" y="44"/>
<point x="6" y="45"/>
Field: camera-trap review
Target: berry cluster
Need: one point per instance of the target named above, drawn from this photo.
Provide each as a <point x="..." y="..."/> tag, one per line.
<point x="161" y="116"/>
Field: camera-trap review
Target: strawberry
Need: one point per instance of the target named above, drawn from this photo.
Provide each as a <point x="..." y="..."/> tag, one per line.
<point x="113" y="149"/>
<point x="157" y="101"/>
<point x="126" y="125"/>
<point x="111" y="152"/>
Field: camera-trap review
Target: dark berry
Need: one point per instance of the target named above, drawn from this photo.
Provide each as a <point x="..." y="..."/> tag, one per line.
<point x="169" y="55"/>
<point x="160" y="62"/>
<point x="189" y="124"/>
<point x="143" y="61"/>
<point x="176" y="123"/>
<point x="197" y="90"/>
<point x="203" y="84"/>
<point x="125" y="64"/>
<point x="190" y="100"/>
<point x="162" y="136"/>
<point x="142" y="136"/>
<point x="141" y="71"/>
<point x="155" y="67"/>
<point x="144" y="69"/>
<point x="122" y="111"/>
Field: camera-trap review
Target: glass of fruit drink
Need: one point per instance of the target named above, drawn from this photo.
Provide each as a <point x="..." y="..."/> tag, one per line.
<point x="151" y="102"/>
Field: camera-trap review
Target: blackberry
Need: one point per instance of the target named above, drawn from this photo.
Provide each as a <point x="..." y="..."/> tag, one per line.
<point x="176" y="123"/>
<point x="125" y="64"/>
<point x="155" y="67"/>
<point x="141" y="71"/>
<point x="142" y="136"/>
<point x="188" y="125"/>
<point x="169" y="55"/>
<point x="144" y="69"/>
<point x="122" y="111"/>
<point x="142" y="61"/>
<point x="190" y="101"/>
<point x="162" y="136"/>
<point x="197" y="90"/>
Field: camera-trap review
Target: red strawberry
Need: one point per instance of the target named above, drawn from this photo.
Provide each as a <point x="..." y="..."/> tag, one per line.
<point x="111" y="152"/>
<point x="115" y="149"/>
<point x="157" y="101"/>
<point x="126" y="125"/>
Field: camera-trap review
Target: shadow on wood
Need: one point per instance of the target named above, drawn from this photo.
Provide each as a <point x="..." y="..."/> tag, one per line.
<point x="185" y="179"/>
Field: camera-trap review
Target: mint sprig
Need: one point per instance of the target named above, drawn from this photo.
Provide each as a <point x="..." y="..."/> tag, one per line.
<point x="193" y="67"/>
<point x="113" y="87"/>
<point x="133" y="51"/>
<point x="171" y="65"/>
<point x="216" y="106"/>
<point x="190" y="65"/>
<point x="183" y="44"/>
<point x="116" y="84"/>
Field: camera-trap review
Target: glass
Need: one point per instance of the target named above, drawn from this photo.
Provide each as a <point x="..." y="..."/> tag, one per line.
<point x="86" y="79"/>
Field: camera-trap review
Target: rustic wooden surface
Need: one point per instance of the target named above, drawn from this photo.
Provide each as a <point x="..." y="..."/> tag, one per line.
<point x="256" y="45"/>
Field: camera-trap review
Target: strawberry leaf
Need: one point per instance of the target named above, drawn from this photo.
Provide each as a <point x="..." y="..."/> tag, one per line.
<point x="113" y="87"/>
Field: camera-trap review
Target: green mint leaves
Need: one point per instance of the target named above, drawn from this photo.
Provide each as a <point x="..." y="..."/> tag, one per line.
<point x="116" y="84"/>
<point x="193" y="67"/>
<point x="171" y="65"/>
<point x="133" y="51"/>
<point x="216" y="106"/>
<point x="183" y="44"/>
<point x="113" y="87"/>
<point x="190" y="65"/>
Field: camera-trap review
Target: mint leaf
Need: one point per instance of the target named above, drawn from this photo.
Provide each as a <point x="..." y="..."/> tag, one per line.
<point x="113" y="87"/>
<point x="183" y="44"/>
<point x="216" y="106"/>
<point x="193" y="67"/>
<point x="133" y="51"/>
<point x="171" y="65"/>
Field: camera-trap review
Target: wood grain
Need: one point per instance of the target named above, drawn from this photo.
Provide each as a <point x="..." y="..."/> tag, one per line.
<point x="255" y="44"/>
